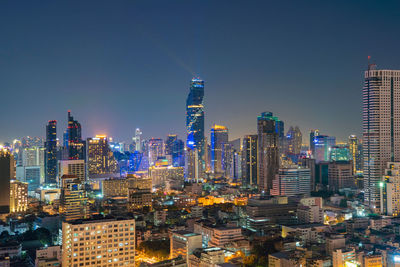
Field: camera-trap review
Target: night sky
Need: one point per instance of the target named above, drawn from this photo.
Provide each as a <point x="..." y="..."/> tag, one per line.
<point x="119" y="65"/>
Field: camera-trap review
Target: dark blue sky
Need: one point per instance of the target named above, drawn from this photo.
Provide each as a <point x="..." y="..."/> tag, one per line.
<point x="119" y="65"/>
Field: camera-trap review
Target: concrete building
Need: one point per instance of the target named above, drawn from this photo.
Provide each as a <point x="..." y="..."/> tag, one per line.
<point x="73" y="199"/>
<point x="390" y="190"/>
<point x="18" y="196"/>
<point x="75" y="167"/>
<point x="341" y="256"/>
<point x="98" y="242"/>
<point x="292" y="181"/>
<point x="340" y="175"/>
<point x="184" y="243"/>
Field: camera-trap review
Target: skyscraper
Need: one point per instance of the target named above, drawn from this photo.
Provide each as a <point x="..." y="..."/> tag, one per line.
<point x="100" y="159"/>
<point x="195" y="127"/>
<point x="381" y="127"/>
<point x="6" y="174"/>
<point x="293" y="141"/>
<point x="178" y="153"/>
<point x="313" y="134"/>
<point x="356" y="153"/>
<point x="219" y="137"/>
<point x="322" y="147"/>
<point x="76" y="147"/>
<point x="268" y="151"/>
<point x="51" y="153"/>
<point x="137" y="140"/>
<point x="156" y="150"/>
<point x="249" y="160"/>
<point x="169" y="143"/>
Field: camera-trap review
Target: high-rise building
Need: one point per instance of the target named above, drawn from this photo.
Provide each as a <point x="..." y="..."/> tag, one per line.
<point x="292" y="181"/>
<point x="73" y="198"/>
<point x="340" y="175"/>
<point x="268" y="150"/>
<point x="7" y="173"/>
<point x="103" y="249"/>
<point x="167" y="177"/>
<point x="313" y="134"/>
<point x="390" y="190"/>
<point x="76" y="167"/>
<point x="76" y="146"/>
<point x="293" y="141"/>
<point x="219" y="137"/>
<point x="322" y="147"/>
<point x="100" y="158"/>
<point x="340" y="152"/>
<point x="51" y="153"/>
<point x="195" y="124"/>
<point x="249" y="160"/>
<point x="178" y="153"/>
<point x="32" y="169"/>
<point x="381" y="127"/>
<point x="137" y="140"/>
<point x="156" y="150"/>
<point x="232" y="159"/>
<point x="169" y="143"/>
<point x="18" y="196"/>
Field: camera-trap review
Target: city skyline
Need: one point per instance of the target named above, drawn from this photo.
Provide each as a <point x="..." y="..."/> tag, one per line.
<point x="128" y="62"/>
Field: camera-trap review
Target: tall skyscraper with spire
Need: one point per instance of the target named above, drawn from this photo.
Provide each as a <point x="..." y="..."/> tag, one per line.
<point x="51" y="153"/>
<point x="76" y="146"/>
<point x="195" y="128"/>
<point x="381" y="127"/>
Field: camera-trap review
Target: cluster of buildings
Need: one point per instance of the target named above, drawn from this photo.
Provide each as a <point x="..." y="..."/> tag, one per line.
<point x="266" y="199"/>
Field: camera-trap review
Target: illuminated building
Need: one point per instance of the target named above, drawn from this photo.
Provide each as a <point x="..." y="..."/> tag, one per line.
<point x="168" y="177"/>
<point x="249" y="160"/>
<point x="340" y="153"/>
<point x="193" y="165"/>
<point x="292" y="181"/>
<point x="73" y="199"/>
<point x="219" y="137"/>
<point x="137" y="140"/>
<point x="373" y="260"/>
<point x="102" y="248"/>
<point x="313" y="134"/>
<point x="344" y="258"/>
<point x="139" y="199"/>
<point x="72" y="167"/>
<point x="293" y="141"/>
<point x="76" y="146"/>
<point x="169" y="143"/>
<point x="224" y="235"/>
<point x="232" y="160"/>
<point x="7" y="173"/>
<point x="381" y="138"/>
<point x="119" y="187"/>
<point x="178" y="153"/>
<point x="210" y="200"/>
<point x="156" y="150"/>
<point x="269" y="128"/>
<point x="184" y="243"/>
<point x="355" y="148"/>
<point x="18" y="196"/>
<point x="100" y="158"/>
<point x="340" y="175"/>
<point x="195" y="127"/>
<point x="390" y="190"/>
<point x="32" y="168"/>
<point x="207" y="257"/>
<point x="51" y="153"/>
<point x="322" y="147"/>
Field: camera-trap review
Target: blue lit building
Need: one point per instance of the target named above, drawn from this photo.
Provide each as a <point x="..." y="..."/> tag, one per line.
<point x="51" y="153"/>
<point x="322" y="147"/>
<point x="195" y="128"/>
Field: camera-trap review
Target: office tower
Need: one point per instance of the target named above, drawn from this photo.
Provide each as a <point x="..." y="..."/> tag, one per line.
<point x="355" y="147"/>
<point x="310" y="164"/>
<point x="167" y="177"/>
<point x="193" y="165"/>
<point x="29" y="141"/>
<point x="169" y="143"/>
<point x="231" y="159"/>
<point x="18" y="196"/>
<point x="219" y="137"/>
<point x="293" y="141"/>
<point x="183" y="243"/>
<point x="249" y="160"/>
<point x="103" y="249"/>
<point x="73" y="198"/>
<point x="195" y="123"/>
<point x="76" y="146"/>
<point x="7" y="173"/>
<point x="313" y="134"/>
<point x="32" y="169"/>
<point x="178" y="153"/>
<point x="137" y="140"/>
<point x="100" y="158"/>
<point x="322" y="147"/>
<point x="390" y="190"/>
<point x="292" y="181"/>
<point x="340" y="152"/>
<point x="340" y="175"/>
<point x="33" y="156"/>
<point x="381" y="138"/>
<point x="268" y="152"/>
<point x="72" y="167"/>
<point x="156" y="150"/>
<point x="51" y="153"/>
